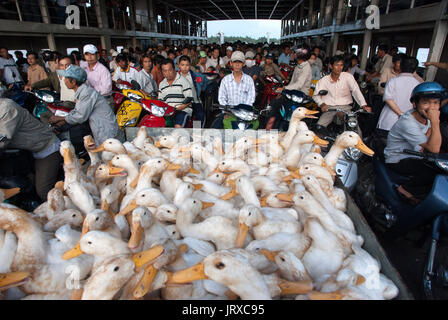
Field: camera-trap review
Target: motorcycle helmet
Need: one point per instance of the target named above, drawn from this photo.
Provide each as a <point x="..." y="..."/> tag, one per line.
<point x="428" y="90"/>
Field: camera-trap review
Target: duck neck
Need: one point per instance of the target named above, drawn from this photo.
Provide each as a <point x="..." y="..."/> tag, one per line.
<point x="331" y="158"/>
<point x="31" y="244"/>
<point x="292" y="130"/>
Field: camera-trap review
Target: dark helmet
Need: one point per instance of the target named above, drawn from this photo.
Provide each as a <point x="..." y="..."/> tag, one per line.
<point x="428" y="90"/>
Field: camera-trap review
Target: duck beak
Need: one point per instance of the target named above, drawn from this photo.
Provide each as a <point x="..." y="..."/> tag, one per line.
<point x="99" y="149"/>
<point x="270" y="255"/>
<point x="360" y="280"/>
<point x="259" y="141"/>
<point x="288" y="178"/>
<point x="145" y="282"/>
<point x="263" y="202"/>
<point x="136" y="235"/>
<point x="232" y="193"/>
<point x="12" y="279"/>
<point x="316" y="295"/>
<point x="157" y="144"/>
<point x="364" y="149"/>
<point x="129" y="208"/>
<point x="8" y="193"/>
<point x="243" y="229"/>
<point x="309" y="114"/>
<point x="77" y="294"/>
<point x="193" y="170"/>
<point x="67" y="157"/>
<point x="325" y="165"/>
<point x="173" y="166"/>
<point x="206" y="205"/>
<point x="319" y="141"/>
<point x="214" y="171"/>
<point x="81" y="161"/>
<point x="287" y="197"/>
<point x="142" y="258"/>
<point x="73" y="253"/>
<point x="193" y="273"/>
<point x="90" y="143"/>
<point x="114" y="171"/>
<point x="197" y="186"/>
<point x="59" y="185"/>
<point x="295" y="287"/>
<point x="184" y="149"/>
<point x="85" y="227"/>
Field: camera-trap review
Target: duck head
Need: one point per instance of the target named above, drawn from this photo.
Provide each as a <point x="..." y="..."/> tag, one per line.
<point x="249" y="217"/>
<point x="142" y="219"/>
<point x="352" y="139"/>
<point x="111" y="145"/>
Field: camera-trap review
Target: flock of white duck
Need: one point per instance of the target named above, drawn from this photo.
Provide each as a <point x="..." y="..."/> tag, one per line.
<point x="260" y="221"/>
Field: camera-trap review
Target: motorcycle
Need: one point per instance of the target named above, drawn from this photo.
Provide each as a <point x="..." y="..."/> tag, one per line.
<point x="240" y="117"/>
<point x="286" y="70"/>
<point x="119" y="97"/>
<point x="139" y="109"/>
<point x="396" y="216"/>
<point x="272" y="83"/>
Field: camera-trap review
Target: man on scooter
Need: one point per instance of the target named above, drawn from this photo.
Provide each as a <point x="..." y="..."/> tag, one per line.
<point x="301" y="81"/>
<point x="236" y="88"/>
<point x="417" y="130"/>
<point x="340" y="86"/>
<point x="90" y="105"/>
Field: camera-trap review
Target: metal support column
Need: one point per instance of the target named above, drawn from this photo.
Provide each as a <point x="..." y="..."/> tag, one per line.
<point x="436" y="47"/>
<point x="310" y="15"/>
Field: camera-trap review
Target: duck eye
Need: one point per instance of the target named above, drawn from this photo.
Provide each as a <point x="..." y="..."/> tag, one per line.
<point x="89" y="242"/>
<point x="283" y="259"/>
<point x="116" y="269"/>
<point x="97" y="218"/>
<point x="100" y="168"/>
<point x="169" y="211"/>
<point x="308" y="178"/>
<point x="194" y="201"/>
<point x="350" y="136"/>
<point x="220" y="265"/>
<point x="110" y="142"/>
<point x="174" y="232"/>
<point x="144" y="213"/>
<point x="159" y="161"/>
<point x="73" y="215"/>
<point x="301" y="197"/>
<point x="217" y="176"/>
<point x="250" y="213"/>
<point x="118" y="158"/>
<point x="143" y="195"/>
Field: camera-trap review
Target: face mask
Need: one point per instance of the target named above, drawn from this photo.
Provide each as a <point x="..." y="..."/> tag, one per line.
<point x="250" y="63"/>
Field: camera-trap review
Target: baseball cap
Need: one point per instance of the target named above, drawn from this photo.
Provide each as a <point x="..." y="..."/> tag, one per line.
<point x="229" y="48"/>
<point x="202" y="54"/>
<point x="74" y="72"/>
<point x="269" y="56"/>
<point x="250" y="55"/>
<point x="115" y="54"/>
<point x="237" y="56"/>
<point x="89" y="48"/>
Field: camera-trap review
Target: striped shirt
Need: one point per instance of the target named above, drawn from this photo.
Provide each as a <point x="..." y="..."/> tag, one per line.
<point x="176" y="93"/>
<point x="232" y="93"/>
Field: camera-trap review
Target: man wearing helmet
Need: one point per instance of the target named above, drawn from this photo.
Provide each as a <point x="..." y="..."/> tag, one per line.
<point x="301" y="81"/>
<point x="418" y="130"/>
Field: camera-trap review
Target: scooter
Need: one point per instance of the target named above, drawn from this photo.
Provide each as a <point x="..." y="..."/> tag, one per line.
<point x="272" y="83"/>
<point x="286" y="70"/>
<point x="139" y="109"/>
<point x="399" y="217"/>
<point x="240" y="117"/>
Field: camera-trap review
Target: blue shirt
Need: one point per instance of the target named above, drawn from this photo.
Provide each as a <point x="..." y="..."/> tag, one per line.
<point x="232" y="93"/>
<point x="283" y="59"/>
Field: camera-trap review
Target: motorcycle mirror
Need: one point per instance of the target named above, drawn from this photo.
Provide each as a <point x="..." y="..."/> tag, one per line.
<point x="323" y="92"/>
<point x="135" y="85"/>
<point x="383" y="85"/>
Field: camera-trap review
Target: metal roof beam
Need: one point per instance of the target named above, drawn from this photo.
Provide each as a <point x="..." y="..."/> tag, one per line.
<point x="211" y="1"/>
<point x="255" y="9"/>
<point x="238" y="9"/>
<point x="273" y="9"/>
<point x="187" y="12"/>
<point x="297" y="4"/>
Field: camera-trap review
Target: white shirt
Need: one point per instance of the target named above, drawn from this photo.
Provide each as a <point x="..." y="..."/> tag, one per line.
<point x="232" y="93"/>
<point x="211" y="63"/>
<point x="399" y="90"/>
<point x="10" y="71"/>
<point x="66" y="93"/>
<point x="146" y="82"/>
<point x="125" y="75"/>
<point x="224" y="61"/>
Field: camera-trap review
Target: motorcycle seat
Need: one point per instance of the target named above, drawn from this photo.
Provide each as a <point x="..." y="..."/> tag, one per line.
<point x="389" y="176"/>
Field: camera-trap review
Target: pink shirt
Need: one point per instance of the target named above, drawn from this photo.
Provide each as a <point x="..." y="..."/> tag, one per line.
<point x="339" y="92"/>
<point x="99" y="78"/>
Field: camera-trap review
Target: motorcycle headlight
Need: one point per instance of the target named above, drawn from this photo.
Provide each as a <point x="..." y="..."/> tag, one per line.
<point x="442" y="164"/>
<point x="122" y="86"/>
<point x="297" y="99"/>
<point x="352" y="153"/>
<point x="134" y="96"/>
<point x="288" y="96"/>
<point x="47" y="98"/>
<point x="244" y="115"/>
<point x="157" y="111"/>
<point x="352" y="123"/>
<point x="130" y="122"/>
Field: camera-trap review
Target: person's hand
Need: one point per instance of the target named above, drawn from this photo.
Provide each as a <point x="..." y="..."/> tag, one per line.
<point x="119" y="81"/>
<point x="27" y="88"/>
<point x="427" y="64"/>
<point x="279" y="90"/>
<point x="56" y="119"/>
<point x="367" y="108"/>
<point x="433" y="115"/>
<point x="324" y="107"/>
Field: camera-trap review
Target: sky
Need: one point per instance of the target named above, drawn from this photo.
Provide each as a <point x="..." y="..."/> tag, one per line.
<point x="249" y="27"/>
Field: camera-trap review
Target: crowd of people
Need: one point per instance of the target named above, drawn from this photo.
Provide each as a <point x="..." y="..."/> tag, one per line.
<point x="180" y="76"/>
